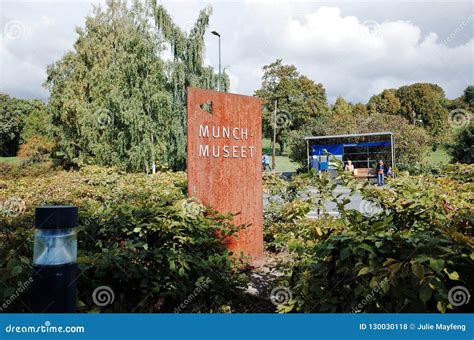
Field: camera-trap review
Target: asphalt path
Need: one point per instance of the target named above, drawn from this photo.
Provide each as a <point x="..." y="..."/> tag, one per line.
<point x="355" y="202"/>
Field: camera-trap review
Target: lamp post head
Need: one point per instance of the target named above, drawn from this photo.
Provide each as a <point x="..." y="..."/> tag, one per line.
<point x="216" y="33"/>
<point x="54" y="260"/>
<point x="55" y="235"/>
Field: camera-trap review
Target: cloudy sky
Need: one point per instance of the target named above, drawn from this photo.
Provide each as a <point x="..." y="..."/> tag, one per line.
<point x="354" y="48"/>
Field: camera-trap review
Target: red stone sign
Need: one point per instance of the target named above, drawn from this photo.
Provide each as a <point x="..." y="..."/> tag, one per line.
<point x="224" y="161"/>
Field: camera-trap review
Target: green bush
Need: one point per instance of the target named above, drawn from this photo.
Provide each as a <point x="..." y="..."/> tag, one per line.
<point x="462" y="148"/>
<point x="374" y="271"/>
<point x="138" y="234"/>
<point x="419" y="169"/>
<point x="35" y="149"/>
<point x="460" y="172"/>
<point x="463" y="173"/>
<point x="403" y="258"/>
<point x="18" y="171"/>
<point x="286" y="222"/>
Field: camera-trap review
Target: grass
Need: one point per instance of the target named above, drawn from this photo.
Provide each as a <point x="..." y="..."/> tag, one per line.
<point x="9" y="160"/>
<point x="283" y="163"/>
<point x="438" y="156"/>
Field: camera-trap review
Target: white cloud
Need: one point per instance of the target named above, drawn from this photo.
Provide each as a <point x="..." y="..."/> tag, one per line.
<point x="34" y="35"/>
<point x="354" y="49"/>
<point x="356" y="58"/>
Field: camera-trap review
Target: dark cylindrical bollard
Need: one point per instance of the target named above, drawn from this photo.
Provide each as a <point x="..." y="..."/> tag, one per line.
<point x="54" y="260"/>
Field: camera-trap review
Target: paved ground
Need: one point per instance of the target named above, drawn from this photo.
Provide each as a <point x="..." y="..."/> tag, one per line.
<point x="356" y="202"/>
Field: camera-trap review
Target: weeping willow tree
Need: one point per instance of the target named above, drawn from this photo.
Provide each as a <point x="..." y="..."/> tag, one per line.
<point x="186" y="69"/>
<point x="115" y="100"/>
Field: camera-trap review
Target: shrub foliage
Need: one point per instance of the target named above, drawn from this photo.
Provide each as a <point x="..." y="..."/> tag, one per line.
<point x="35" y="149"/>
<point x="138" y="234"/>
<point x="402" y="256"/>
<point x="462" y="148"/>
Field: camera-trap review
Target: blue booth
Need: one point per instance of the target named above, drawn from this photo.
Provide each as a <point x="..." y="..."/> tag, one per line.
<point x="363" y="153"/>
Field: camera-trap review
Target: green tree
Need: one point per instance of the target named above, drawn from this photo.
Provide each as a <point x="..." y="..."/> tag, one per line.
<point x="469" y="95"/>
<point x="37" y="122"/>
<point x="35" y="149"/>
<point x="385" y="103"/>
<point x="411" y="142"/>
<point x="12" y="114"/>
<point x="342" y="119"/>
<point x="186" y="69"/>
<point x="462" y="148"/>
<point x="311" y="98"/>
<point x="341" y="107"/>
<point x="299" y="100"/>
<point x="456" y="103"/>
<point x="360" y="110"/>
<point x="426" y="102"/>
<point x="114" y="100"/>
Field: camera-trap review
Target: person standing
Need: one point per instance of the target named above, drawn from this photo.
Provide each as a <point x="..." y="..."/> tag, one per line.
<point x="380" y="173"/>
<point x="266" y="162"/>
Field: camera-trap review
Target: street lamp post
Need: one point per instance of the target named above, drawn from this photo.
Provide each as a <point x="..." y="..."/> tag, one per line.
<point x="218" y="79"/>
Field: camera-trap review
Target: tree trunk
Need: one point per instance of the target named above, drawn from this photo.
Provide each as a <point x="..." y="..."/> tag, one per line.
<point x="282" y="147"/>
